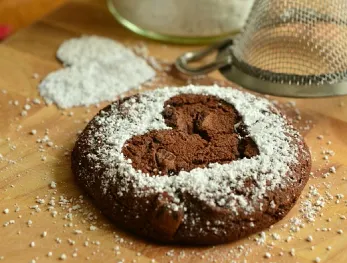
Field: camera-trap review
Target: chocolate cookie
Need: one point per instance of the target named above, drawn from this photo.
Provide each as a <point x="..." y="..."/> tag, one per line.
<point x="193" y="165"/>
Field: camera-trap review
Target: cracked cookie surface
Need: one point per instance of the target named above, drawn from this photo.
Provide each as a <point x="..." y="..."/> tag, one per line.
<point x="192" y="165"/>
<point x="204" y="130"/>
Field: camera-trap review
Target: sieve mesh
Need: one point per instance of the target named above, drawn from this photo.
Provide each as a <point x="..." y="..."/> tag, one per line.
<point x="294" y="41"/>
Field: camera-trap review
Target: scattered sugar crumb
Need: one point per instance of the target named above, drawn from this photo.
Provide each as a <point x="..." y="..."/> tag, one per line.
<point x="77" y="231"/>
<point x="53" y="185"/>
<point x="92" y="228"/>
<point x="54" y="213"/>
<point x="332" y="169"/>
<point x="27" y="107"/>
<point x="309" y="239"/>
<point x="276" y="236"/>
<point x="36" y="101"/>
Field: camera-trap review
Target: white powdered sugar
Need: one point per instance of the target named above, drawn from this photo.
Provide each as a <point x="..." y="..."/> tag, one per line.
<point x="83" y="85"/>
<point x="93" y="48"/>
<point x="99" y="70"/>
<point x="270" y="169"/>
<point x="193" y="18"/>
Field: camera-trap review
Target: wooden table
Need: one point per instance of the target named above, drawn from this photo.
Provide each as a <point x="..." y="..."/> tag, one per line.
<point x="20" y="13"/>
<point x="28" y="167"/>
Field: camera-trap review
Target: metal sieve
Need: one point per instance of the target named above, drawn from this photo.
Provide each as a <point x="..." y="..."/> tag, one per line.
<point x="295" y="48"/>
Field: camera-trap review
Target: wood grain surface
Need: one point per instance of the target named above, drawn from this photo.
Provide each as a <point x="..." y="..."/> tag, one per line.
<point x="19" y="13"/>
<point x="27" y="167"/>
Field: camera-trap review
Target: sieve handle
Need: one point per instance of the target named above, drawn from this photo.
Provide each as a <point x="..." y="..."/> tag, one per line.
<point x="182" y="62"/>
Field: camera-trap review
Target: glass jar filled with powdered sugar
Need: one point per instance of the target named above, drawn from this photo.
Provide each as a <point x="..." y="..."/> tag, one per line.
<point x="182" y="21"/>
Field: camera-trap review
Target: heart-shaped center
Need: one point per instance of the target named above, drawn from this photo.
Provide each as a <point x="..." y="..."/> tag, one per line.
<point x="205" y="129"/>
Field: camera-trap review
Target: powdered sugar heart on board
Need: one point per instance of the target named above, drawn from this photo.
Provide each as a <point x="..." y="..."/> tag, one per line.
<point x="90" y="48"/>
<point x="276" y="141"/>
<point x="98" y="70"/>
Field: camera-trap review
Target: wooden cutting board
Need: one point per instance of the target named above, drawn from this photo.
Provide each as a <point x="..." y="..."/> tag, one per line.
<point x="27" y="167"/>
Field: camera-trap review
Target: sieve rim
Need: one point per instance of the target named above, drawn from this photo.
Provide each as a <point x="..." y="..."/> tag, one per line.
<point x="277" y="77"/>
<point x="267" y="85"/>
<point x="282" y="89"/>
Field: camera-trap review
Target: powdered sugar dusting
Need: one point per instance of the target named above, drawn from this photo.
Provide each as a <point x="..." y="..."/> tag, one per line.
<point x="93" y="48"/>
<point x="100" y="70"/>
<point x="211" y="184"/>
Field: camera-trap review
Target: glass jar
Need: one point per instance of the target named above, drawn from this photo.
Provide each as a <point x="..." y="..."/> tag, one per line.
<point x="182" y="21"/>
